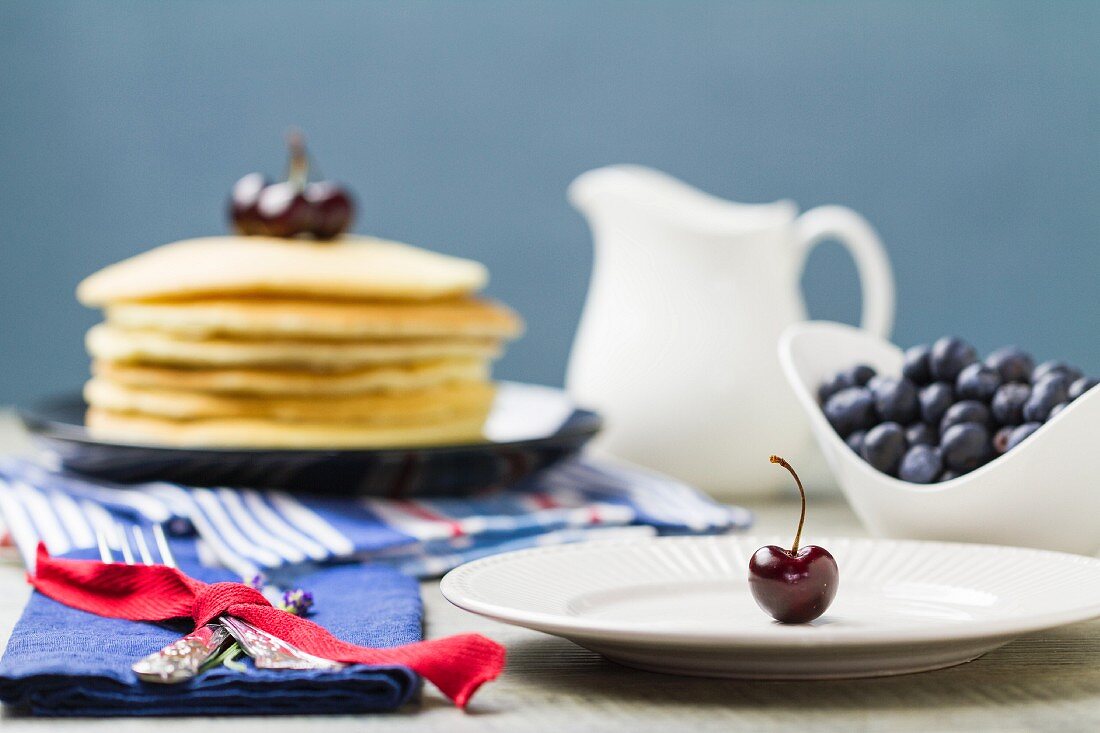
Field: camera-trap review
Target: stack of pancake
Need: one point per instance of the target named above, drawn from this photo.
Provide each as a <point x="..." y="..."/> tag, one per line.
<point x="281" y="343"/>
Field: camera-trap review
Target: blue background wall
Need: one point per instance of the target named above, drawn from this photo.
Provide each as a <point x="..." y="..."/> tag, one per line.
<point x="966" y="132"/>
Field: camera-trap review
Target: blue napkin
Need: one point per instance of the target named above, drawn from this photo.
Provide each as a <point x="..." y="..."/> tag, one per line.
<point x="64" y="662"/>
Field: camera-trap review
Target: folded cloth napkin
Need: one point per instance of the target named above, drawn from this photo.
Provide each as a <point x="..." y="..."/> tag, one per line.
<point x="63" y="661"/>
<point x="66" y="662"/>
<point x="248" y="531"/>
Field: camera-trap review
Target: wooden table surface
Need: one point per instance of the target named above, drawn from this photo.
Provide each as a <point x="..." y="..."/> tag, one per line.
<point x="1045" y="682"/>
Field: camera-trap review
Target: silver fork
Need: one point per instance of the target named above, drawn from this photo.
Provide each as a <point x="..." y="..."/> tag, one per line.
<point x="184" y="658"/>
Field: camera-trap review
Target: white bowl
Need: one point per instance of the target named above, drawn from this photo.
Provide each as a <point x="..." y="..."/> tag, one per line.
<point x="1043" y="493"/>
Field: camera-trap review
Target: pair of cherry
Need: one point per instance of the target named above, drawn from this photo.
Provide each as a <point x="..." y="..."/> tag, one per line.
<point x="293" y="207"/>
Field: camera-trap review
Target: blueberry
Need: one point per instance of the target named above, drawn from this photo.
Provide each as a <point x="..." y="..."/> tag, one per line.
<point x="920" y="433"/>
<point x="1001" y="438"/>
<point x="855" y="441"/>
<point x="857" y="376"/>
<point x="1020" y="433"/>
<point x="1055" y="367"/>
<point x="921" y="465"/>
<point x="851" y="409"/>
<point x="1055" y="383"/>
<point x="948" y="357"/>
<point x="934" y="401"/>
<point x="965" y="446"/>
<point x="875" y="381"/>
<point x="896" y="400"/>
<point x="948" y="475"/>
<point x="1045" y="394"/>
<point x="1080" y="386"/>
<point x="860" y="374"/>
<point x="977" y="382"/>
<point x="916" y="368"/>
<point x="967" y="411"/>
<point x="1008" y="403"/>
<point x="832" y="385"/>
<point x="1012" y="363"/>
<point x="884" y="447"/>
<point x="1056" y="409"/>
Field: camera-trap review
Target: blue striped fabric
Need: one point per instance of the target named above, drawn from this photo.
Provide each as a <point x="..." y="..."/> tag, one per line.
<point x="249" y="531"/>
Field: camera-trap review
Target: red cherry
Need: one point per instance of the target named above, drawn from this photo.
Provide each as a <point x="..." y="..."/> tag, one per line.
<point x="284" y="211"/>
<point x="294" y="207"/>
<point x="793" y="586"/>
<point x="242" y="203"/>
<point x="333" y="209"/>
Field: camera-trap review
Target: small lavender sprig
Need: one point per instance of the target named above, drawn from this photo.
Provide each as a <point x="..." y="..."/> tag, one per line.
<point x="297" y="601"/>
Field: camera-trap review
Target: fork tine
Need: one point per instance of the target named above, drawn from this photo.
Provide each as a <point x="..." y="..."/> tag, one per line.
<point x="104" y="548"/>
<point x="142" y="546"/>
<point x="162" y="545"/>
<point x="124" y="543"/>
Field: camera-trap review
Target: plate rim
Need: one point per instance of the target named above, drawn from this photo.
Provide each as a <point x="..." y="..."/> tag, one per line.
<point x="40" y="426"/>
<point x="590" y="630"/>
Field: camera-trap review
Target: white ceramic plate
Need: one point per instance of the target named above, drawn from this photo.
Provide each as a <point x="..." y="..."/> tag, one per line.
<point x="682" y="605"/>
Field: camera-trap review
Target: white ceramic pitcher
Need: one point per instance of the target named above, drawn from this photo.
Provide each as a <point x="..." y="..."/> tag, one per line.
<point x="677" y="343"/>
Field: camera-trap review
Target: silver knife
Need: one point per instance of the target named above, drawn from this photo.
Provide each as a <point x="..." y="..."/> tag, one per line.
<point x="271" y="652"/>
<point x="183" y="659"/>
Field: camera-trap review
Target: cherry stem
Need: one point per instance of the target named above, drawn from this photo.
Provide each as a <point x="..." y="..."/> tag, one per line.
<point x="802" y="493"/>
<point x="299" y="160"/>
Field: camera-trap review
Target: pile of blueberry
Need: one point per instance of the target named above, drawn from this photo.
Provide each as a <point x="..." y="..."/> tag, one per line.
<point x="948" y="413"/>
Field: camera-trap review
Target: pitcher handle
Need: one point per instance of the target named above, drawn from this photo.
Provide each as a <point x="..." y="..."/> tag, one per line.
<point x="876" y="278"/>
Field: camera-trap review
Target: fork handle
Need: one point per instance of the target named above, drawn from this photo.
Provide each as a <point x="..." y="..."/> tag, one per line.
<point x="183" y="658"/>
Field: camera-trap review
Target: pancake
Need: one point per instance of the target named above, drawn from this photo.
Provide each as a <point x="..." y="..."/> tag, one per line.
<point x="110" y="343"/>
<point x="349" y="267"/>
<point x="352" y="320"/>
<point x="396" y="408"/>
<point x="255" y="433"/>
<point x="388" y="378"/>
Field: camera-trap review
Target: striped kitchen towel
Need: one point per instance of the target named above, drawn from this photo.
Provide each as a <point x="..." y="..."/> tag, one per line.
<point x="249" y="531"/>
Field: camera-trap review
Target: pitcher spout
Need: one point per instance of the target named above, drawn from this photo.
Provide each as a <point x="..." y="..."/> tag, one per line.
<point x="636" y="191"/>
